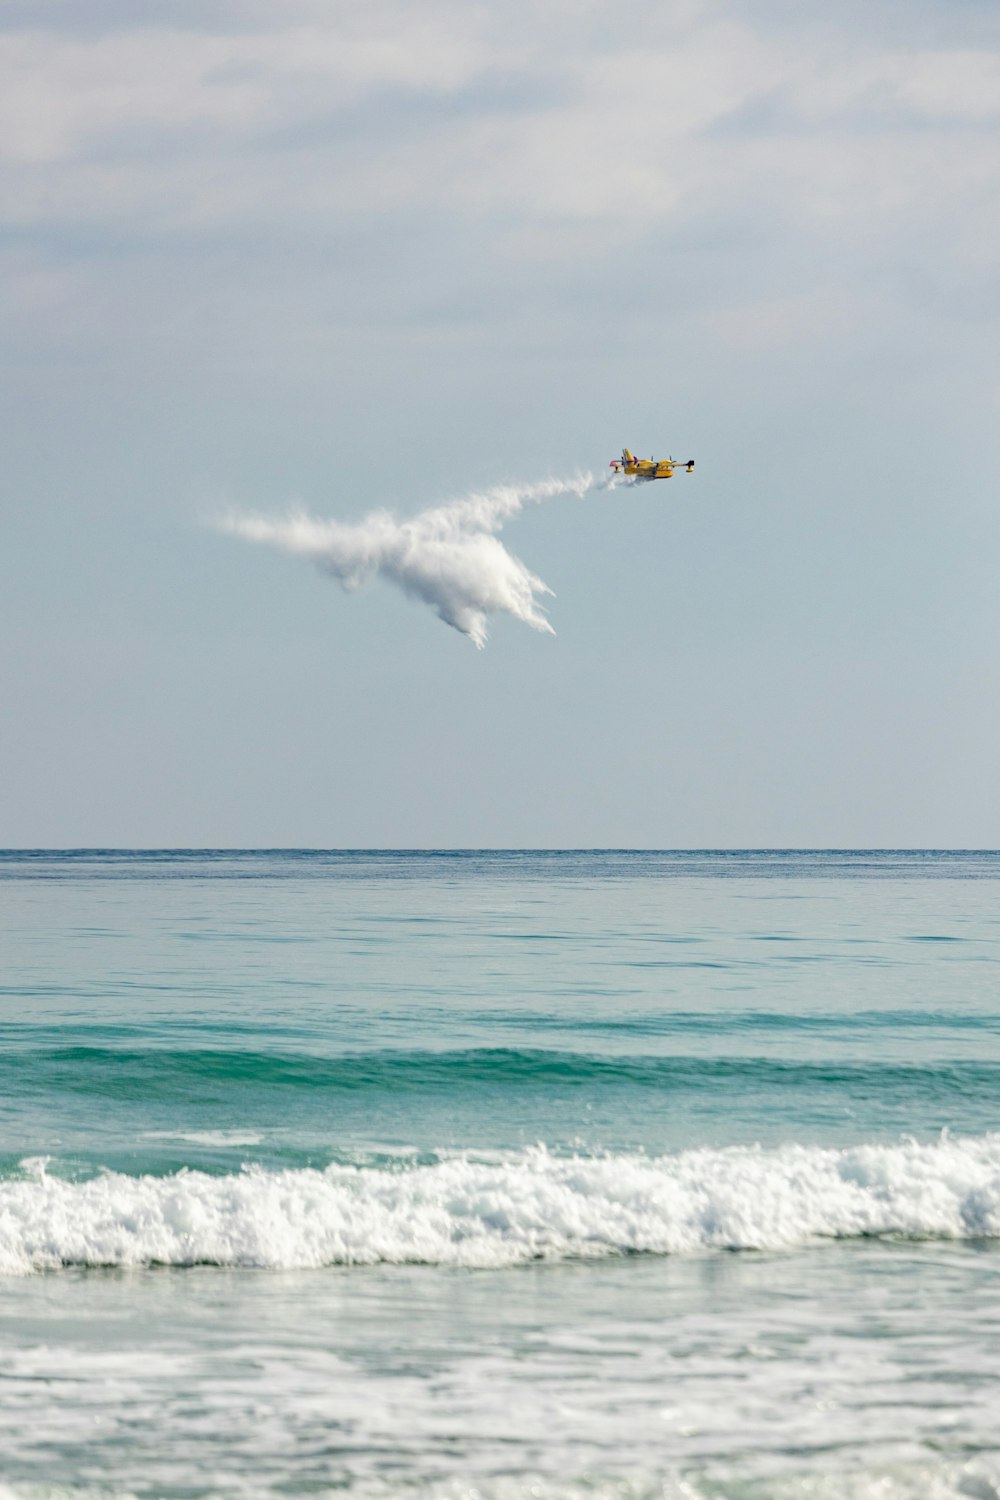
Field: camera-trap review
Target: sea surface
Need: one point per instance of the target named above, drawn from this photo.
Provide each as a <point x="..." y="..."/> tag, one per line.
<point x="500" y="1175"/>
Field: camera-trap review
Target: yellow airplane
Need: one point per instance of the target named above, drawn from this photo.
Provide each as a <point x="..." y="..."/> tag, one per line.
<point x="648" y="468"/>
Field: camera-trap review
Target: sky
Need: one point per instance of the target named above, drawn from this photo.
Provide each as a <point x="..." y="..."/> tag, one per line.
<point x="327" y="259"/>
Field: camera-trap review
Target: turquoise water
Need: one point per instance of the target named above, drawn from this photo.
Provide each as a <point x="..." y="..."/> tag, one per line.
<point x="515" y="1174"/>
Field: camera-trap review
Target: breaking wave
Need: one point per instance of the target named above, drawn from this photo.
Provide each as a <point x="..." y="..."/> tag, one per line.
<point x="505" y="1209"/>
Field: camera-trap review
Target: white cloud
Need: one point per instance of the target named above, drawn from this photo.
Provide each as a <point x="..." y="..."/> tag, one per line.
<point x="64" y="98"/>
<point x="548" y="136"/>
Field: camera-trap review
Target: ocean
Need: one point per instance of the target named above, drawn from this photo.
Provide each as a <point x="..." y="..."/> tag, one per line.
<point x="598" y="1175"/>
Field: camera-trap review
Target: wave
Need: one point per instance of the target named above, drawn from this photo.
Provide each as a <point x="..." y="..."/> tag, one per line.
<point x="505" y="1209"/>
<point x="124" y="1072"/>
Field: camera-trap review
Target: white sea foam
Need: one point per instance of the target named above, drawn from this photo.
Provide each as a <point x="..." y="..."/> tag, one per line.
<point x="60" y="1492"/>
<point x="226" y="1138"/>
<point x="470" y="1211"/>
<point x="973" y="1480"/>
<point x="976" y="1479"/>
<point x="448" y="555"/>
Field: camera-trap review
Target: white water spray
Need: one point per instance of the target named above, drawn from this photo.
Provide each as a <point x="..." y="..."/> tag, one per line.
<point x="487" y="1210"/>
<point x="449" y="555"/>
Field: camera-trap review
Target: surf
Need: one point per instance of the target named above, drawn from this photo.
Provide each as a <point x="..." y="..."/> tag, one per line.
<point x="503" y="1209"/>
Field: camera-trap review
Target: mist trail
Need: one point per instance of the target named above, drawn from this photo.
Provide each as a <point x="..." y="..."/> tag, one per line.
<point x="449" y="556"/>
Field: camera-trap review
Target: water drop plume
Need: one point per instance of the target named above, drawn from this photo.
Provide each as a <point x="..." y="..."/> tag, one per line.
<point x="449" y="556"/>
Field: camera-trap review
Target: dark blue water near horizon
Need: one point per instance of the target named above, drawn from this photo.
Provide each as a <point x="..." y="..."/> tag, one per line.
<point x="586" y="864"/>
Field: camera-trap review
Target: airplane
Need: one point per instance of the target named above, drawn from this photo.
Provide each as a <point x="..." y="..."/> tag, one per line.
<point x="648" y="468"/>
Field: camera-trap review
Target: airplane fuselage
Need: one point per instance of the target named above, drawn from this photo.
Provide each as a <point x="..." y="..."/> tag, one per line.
<point x="648" y="468"/>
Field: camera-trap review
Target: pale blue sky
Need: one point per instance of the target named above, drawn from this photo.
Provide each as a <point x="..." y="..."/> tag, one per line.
<point x="346" y="256"/>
